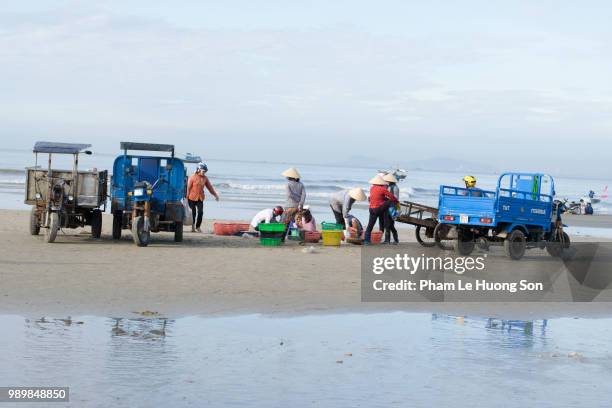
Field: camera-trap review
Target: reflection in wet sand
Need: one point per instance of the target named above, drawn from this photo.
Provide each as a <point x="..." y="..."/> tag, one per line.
<point x="328" y="360"/>
<point x="143" y="328"/>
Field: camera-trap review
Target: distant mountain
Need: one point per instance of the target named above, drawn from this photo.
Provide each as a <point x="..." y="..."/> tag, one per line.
<point x="442" y="164"/>
<point x="446" y="164"/>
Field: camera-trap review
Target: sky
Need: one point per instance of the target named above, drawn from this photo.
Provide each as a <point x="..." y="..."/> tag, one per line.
<point x="521" y="85"/>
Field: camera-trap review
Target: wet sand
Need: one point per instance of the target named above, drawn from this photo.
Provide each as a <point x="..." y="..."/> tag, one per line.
<point x="590" y="221"/>
<point x="204" y="275"/>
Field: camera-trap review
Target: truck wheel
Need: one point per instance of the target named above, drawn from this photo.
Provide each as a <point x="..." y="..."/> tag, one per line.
<point x="557" y="247"/>
<point x="440" y="233"/>
<point x="96" y="224"/>
<point x="34" y="222"/>
<point x="141" y="237"/>
<point x="178" y="232"/>
<point x="51" y="231"/>
<point x="483" y="244"/>
<point x="117" y="224"/>
<point x="515" y="244"/>
<point x="422" y="234"/>
<point x="464" y="244"/>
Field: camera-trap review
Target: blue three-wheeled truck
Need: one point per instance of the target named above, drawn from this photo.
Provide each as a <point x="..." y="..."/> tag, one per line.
<point x="146" y="192"/>
<point x="521" y="213"/>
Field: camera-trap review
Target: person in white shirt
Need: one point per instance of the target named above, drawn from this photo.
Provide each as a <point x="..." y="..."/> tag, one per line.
<point x="266" y="216"/>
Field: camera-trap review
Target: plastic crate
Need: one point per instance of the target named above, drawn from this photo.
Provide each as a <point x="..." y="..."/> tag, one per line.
<point x="270" y="241"/>
<point x="272" y="227"/>
<point x="232" y="228"/>
<point x="312" y="237"/>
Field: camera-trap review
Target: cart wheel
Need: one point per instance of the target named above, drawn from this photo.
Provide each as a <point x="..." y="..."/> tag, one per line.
<point x="422" y="234"/>
<point x="51" y="231"/>
<point x="440" y="233"/>
<point x="117" y="224"/>
<point x="464" y="244"/>
<point x="34" y="222"/>
<point x="178" y="232"/>
<point x="557" y="247"/>
<point x="96" y="223"/>
<point x="141" y="237"/>
<point x="515" y="244"/>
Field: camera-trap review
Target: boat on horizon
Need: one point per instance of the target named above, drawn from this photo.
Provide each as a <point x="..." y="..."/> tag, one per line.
<point x="192" y="158"/>
<point x="399" y="174"/>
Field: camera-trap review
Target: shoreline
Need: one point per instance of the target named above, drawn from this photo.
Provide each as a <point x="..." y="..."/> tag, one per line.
<point x="206" y="275"/>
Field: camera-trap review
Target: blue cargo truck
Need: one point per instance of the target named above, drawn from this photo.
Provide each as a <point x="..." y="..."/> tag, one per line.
<point x="146" y="192"/>
<point x="521" y="213"/>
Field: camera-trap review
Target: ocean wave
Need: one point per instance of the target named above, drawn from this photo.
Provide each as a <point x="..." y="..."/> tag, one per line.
<point x="12" y="171"/>
<point x="12" y="182"/>
<point x="275" y="187"/>
<point x="240" y="186"/>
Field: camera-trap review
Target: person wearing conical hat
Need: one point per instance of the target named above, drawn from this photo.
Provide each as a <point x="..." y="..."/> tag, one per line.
<point x="342" y="201"/>
<point x="390" y="227"/>
<point x="296" y="194"/>
<point x="380" y="201"/>
<point x="392" y="184"/>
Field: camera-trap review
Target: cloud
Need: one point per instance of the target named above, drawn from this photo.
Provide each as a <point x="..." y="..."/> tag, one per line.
<point x="83" y="67"/>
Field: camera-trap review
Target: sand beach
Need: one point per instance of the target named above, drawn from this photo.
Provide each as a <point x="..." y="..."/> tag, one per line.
<point x="204" y="275"/>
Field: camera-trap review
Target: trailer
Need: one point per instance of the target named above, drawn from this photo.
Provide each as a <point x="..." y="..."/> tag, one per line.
<point x="423" y="217"/>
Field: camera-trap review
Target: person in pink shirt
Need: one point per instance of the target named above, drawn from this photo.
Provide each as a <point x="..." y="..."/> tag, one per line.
<point x="306" y="221"/>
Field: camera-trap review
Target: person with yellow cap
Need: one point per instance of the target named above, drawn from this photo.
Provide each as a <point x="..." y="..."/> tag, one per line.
<point x="296" y="194"/>
<point x="470" y="185"/>
<point x="342" y="201"/>
<point x="380" y="200"/>
<point x="390" y="227"/>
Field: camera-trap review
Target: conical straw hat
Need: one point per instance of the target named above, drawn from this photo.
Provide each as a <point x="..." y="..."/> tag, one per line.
<point x="291" y="172"/>
<point x="357" y="194"/>
<point x="390" y="178"/>
<point x="378" y="181"/>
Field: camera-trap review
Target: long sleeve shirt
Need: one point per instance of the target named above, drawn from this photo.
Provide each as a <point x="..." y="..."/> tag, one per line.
<point x="196" y="185"/>
<point x="378" y="196"/>
<point x="341" y="202"/>
<point x="296" y="194"/>
<point x="394" y="189"/>
<point x="266" y="216"/>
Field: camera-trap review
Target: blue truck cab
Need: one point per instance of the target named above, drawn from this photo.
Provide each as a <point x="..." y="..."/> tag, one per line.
<point x="146" y="192"/>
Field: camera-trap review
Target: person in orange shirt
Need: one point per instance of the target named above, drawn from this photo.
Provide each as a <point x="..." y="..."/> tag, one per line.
<point x="195" y="194"/>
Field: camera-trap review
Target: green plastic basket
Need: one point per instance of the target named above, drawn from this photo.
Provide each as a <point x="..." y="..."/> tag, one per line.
<point x="270" y="241"/>
<point x="331" y="226"/>
<point x="272" y="227"/>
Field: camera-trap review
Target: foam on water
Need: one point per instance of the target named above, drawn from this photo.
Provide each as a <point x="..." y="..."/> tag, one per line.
<point x="257" y="182"/>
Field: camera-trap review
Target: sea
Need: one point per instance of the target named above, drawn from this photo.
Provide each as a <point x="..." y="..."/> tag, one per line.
<point x="245" y="187"/>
